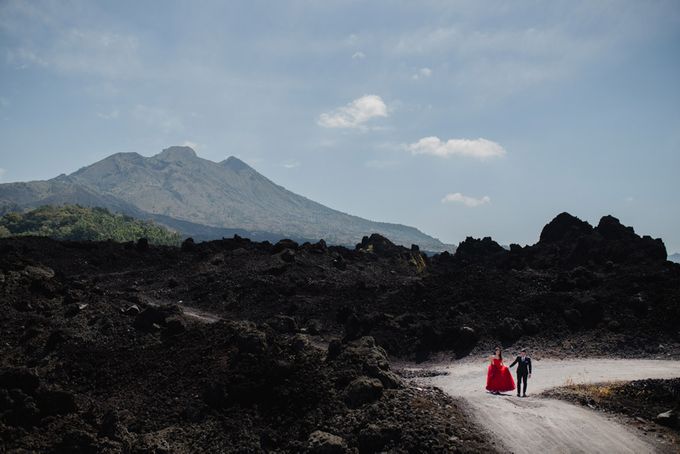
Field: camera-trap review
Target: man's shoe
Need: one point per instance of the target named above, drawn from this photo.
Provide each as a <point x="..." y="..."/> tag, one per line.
<point x="524" y="395"/>
<point x="517" y="395"/>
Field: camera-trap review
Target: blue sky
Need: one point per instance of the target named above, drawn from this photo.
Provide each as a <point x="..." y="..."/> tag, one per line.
<point x="460" y="118"/>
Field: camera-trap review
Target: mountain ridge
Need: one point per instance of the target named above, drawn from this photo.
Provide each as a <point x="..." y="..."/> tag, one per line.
<point x="196" y="194"/>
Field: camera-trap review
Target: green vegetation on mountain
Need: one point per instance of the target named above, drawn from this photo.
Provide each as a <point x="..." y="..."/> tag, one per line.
<point x="73" y="222"/>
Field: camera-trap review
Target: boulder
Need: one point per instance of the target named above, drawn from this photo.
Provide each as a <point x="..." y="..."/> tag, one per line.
<point x="300" y="342"/>
<point x="353" y="328"/>
<point x="188" y="245"/>
<point x="153" y="315"/>
<point x="465" y="341"/>
<point x="283" y="324"/>
<point x="339" y="263"/>
<point x="251" y="341"/>
<point x="667" y="418"/>
<point x="591" y="310"/>
<point x="319" y="247"/>
<point x="56" y="338"/>
<point x="334" y="349"/>
<point x="510" y="329"/>
<point x="285" y="244"/>
<point x="142" y="245"/>
<point x="287" y="256"/>
<point x="364" y="354"/>
<point x="476" y="250"/>
<point x="52" y="403"/>
<point x="131" y="310"/>
<point x="614" y="326"/>
<point x="215" y="396"/>
<point x="22" y="410"/>
<point x="389" y="379"/>
<point x="583" y="279"/>
<point x="320" y="442"/>
<point x="153" y="443"/>
<point x="374" y="438"/>
<point x="112" y="428"/>
<point x="314" y="326"/>
<point x="363" y="390"/>
<point x="19" y="378"/>
<point x="531" y="326"/>
<point x="379" y="245"/>
<point x="568" y="242"/>
<point x="73" y="309"/>
<point x="564" y="227"/>
<point x="39" y="273"/>
<point x="77" y="442"/>
<point x="175" y="325"/>
<point x="572" y="317"/>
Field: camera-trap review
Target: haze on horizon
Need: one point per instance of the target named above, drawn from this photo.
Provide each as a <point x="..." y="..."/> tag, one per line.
<point x="454" y="117"/>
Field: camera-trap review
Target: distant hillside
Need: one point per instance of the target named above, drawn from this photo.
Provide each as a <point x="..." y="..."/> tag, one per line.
<point x="205" y="199"/>
<point x="674" y="257"/>
<point x="80" y="223"/>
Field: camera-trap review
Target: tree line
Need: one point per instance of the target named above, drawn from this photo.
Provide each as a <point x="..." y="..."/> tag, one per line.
<point x="77" y="223"/>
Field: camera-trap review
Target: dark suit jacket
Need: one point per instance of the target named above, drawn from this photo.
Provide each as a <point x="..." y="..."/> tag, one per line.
<point x="523" y="366"/>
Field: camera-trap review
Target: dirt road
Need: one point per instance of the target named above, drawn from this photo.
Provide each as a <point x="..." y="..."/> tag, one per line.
<point x="532" y="424"/>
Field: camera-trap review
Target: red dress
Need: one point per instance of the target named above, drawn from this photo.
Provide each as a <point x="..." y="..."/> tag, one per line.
<point x="499" y="378"/>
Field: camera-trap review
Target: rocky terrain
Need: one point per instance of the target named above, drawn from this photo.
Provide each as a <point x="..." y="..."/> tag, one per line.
<point x="647" y="400"/>
<point x="85" y="371"/>
<point x="239" y="346"/>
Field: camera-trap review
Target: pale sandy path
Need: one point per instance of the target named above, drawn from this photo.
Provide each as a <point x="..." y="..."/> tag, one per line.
<point x="535" y="425"/>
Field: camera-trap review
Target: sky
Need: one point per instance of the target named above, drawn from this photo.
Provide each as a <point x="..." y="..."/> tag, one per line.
<point x="461" y="118"/>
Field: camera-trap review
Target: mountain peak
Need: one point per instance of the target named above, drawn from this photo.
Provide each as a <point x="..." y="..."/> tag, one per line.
<point x="177" y="153"/>
<point x="235" y="164"/>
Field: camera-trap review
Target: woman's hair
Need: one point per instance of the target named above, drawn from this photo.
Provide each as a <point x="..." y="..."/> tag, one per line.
<point x="500" y="352"/>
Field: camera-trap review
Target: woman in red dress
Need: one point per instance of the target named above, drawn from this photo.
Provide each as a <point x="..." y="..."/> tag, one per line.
<point x="498" y="378"/>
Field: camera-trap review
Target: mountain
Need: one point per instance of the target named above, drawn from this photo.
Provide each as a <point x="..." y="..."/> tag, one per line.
<point x="204" y="199"/>
<point x="674" y="257"/>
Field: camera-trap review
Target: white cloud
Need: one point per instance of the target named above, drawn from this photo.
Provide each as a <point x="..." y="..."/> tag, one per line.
<point x="193" y="145"/>
<point x="2" y="173"/>
<point x="422" y="73"/>
<point x="291" y="165"/>
<point x="477" y="148"/>
<point x="252" y="161"/>
<point x="23" y="58"/>
<point x="355" y="114"/>
<point x="4" y="102"/>
<point x="516" y="55"/>
<point x="630" y="199"/>
<point x="78" y="51"/>
<point x="67" y="39"/>
<point x="109" y="116"/>
<point x="358" y="56"/>
<point x="156" y="117"/>
<point x="471" y="202"/>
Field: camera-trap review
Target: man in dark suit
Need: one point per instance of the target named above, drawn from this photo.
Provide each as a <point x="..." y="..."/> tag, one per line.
<point x="523" y="370"/>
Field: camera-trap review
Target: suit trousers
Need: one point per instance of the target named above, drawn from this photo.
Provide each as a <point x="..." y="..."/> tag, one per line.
<point x="522" y="379"/>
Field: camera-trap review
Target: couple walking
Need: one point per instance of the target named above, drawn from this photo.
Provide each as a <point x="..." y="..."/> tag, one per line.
<point x="499" y="379"/>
